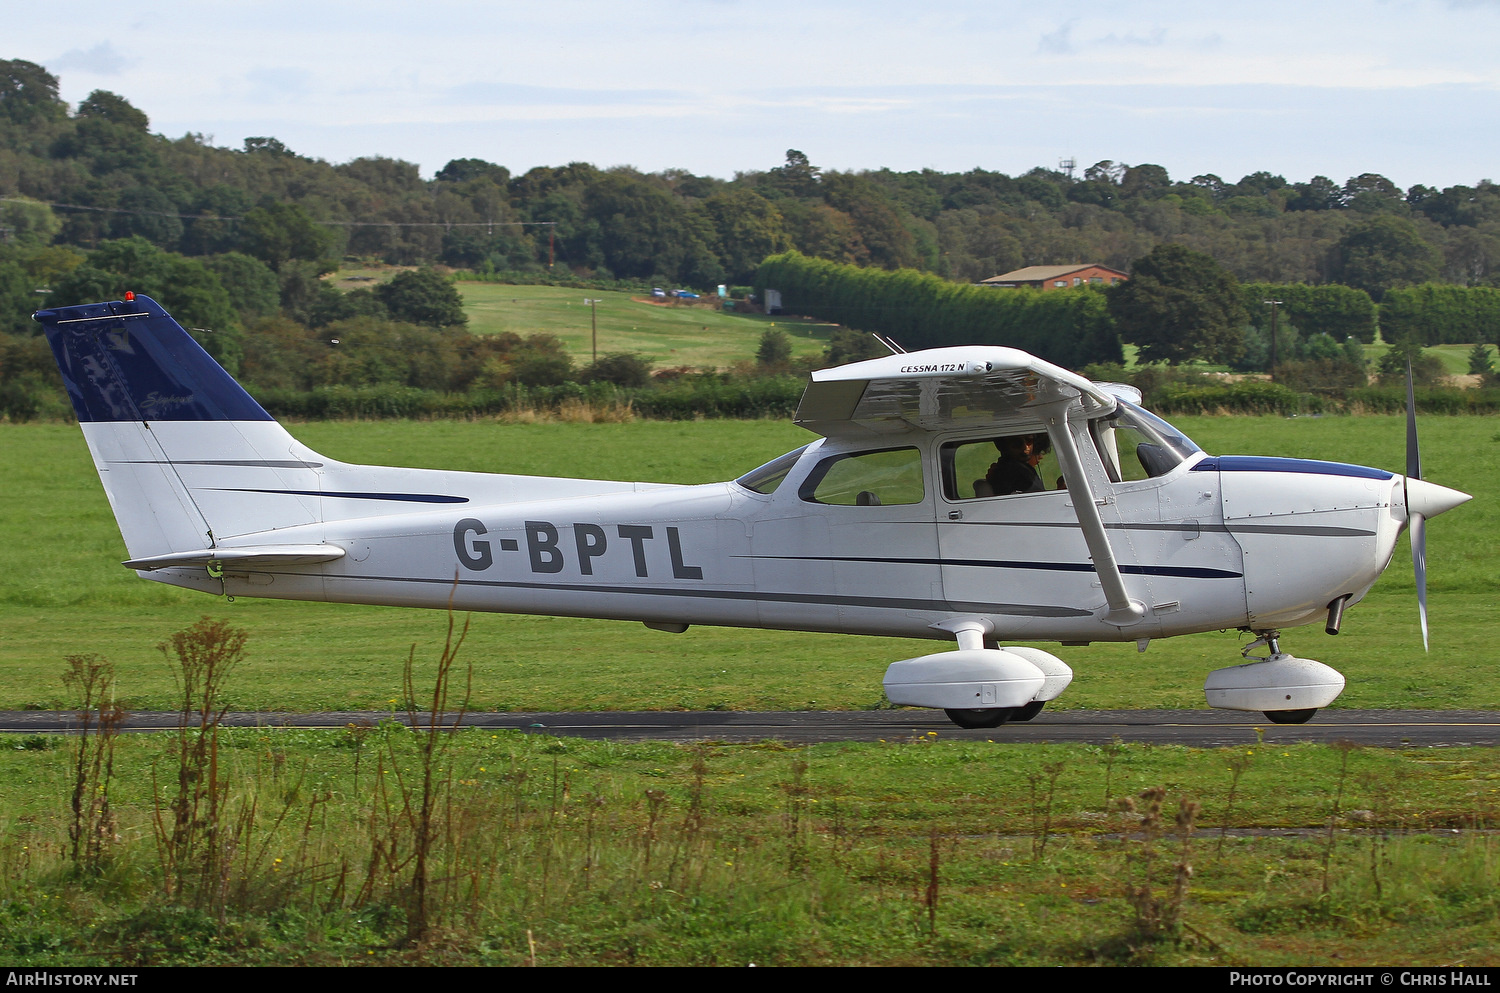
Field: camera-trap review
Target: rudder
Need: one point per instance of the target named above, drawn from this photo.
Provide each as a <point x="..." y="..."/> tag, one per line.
<point x="181" y="448"/>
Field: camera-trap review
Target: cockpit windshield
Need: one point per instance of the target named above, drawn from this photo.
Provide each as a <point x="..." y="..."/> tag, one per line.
<point x="1136" y="444"/>
<point x="769" y="476"/>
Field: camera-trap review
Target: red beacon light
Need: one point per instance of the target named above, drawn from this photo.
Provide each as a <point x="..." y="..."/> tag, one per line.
<point x="130" y="296"/>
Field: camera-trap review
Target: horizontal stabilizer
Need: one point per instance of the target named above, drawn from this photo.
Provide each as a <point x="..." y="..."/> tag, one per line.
<point x="248" y="557"/>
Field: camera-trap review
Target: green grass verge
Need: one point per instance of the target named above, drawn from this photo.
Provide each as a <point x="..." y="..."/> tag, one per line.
<point x="63" y="592"/>
<point x="548" y="851"/>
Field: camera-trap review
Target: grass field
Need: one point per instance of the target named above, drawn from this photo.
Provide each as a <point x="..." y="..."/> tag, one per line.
<point x="544" y="851"/>
<point x="668" y="333"/>
<point x="547" y="851"/>
<point x="63" y="592"/>
<point x="1455" y="358"/>
<point x="678" y="334"/>
<point x="564" y="852"/>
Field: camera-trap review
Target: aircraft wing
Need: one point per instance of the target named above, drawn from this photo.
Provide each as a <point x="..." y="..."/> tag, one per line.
<point x="940" y="388"/>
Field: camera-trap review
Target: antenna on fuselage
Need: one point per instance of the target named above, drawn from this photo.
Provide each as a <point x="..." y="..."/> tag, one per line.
<point x="888" y="342"/>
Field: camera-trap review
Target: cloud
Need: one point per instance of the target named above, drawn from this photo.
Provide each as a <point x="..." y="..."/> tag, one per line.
<point x="523" y="93"/>
<point x="1058" y="42"/>
<point x="1154" y="39"/>
<point x="101" y="60"/>
<point x="283" y="81"/>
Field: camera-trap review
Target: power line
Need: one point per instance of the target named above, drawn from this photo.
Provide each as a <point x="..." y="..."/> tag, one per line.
<point x="342" y="224"/>
<point x="437" y="224"/>
<point x="119" y="210"/>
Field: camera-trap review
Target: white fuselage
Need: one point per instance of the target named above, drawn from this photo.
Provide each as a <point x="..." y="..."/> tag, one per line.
<point x="1266" y="544"/>
<point x="977" y="493"/>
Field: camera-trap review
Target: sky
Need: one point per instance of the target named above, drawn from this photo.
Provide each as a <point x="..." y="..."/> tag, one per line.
<point x="1406" y="88"/>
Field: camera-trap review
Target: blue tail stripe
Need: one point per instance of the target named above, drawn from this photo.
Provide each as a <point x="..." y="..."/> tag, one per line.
<point x="130" y="361"/>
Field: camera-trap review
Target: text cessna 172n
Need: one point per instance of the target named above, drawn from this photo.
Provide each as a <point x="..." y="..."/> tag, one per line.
<point x="889" y="523"/>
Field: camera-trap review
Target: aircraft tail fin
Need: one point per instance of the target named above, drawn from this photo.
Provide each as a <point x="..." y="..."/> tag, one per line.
<point x="186" y="456"/>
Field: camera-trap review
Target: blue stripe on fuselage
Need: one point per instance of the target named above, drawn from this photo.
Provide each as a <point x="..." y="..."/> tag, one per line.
<point x="1266" y="463"/>
<point x="357" y="495"/>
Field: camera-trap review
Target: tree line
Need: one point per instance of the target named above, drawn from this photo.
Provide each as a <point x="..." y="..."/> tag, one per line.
<point x="92" y="202"/>
<point x="291" y="211"/>
<point x="1179" y="306"/>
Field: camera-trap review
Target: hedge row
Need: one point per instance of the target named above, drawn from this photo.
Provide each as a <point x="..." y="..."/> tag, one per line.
<point x="919" y="310"/>
<point x="1439" y="400"/>
<point x="1339" y="311"/>
<point x="1274" y="398"/>
<point x="1433" y="314"/>
<point x="1246" y="397"/>
<point x="776" y="397"/>
<point x="548" y="278"/>
<point x="1436" y="314"/>
<point x="687" y="399"/>
<point x="752" y="398"/>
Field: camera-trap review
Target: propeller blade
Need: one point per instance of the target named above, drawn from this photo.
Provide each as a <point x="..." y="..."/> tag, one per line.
<point x="1413" y="453"/>
<point x="1418" y="525"/>
<point x="1423" y="500"/>
<point x="1414" y="520"/>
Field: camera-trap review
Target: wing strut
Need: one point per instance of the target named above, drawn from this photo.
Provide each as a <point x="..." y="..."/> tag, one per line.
<point x="1123" y="611"/>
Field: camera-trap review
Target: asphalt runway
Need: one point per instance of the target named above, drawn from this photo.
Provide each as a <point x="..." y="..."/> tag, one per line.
<point x="1193" y="728"/>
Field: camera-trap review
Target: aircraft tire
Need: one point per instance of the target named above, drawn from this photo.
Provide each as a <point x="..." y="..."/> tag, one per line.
<point x="1029" y="711"/>
<point x="990" y="717"/>
<point x="1290" y="716"/>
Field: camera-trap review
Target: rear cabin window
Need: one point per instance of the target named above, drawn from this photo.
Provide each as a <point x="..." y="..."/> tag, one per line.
<point x="869" y="479"/>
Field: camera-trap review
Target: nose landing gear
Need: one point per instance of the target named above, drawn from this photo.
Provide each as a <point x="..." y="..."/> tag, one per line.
<point x="1290" y="716"/>
<point x="1288" y="690"/>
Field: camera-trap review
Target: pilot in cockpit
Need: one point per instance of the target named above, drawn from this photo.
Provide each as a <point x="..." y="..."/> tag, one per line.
<point x="1015" y="470"/>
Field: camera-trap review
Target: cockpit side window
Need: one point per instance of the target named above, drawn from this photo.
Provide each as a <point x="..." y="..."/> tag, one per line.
<point x="989" y="467"/>
<point x="1135" y="444"/>
<point x="769" y="476"/>
<point x="867" y="479"/>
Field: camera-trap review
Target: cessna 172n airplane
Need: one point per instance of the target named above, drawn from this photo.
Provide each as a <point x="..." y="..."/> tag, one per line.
<point x="893" y="522"/>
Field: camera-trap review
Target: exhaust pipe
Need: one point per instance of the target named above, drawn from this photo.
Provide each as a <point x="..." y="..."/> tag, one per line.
<point x="1336" y="613"/>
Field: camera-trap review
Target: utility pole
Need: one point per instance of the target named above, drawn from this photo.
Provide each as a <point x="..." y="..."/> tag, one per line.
<point x="594" y="308"/>
<point x="1273" y="304"/>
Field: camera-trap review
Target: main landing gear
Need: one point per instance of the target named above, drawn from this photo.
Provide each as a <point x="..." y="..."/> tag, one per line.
<point x="1290" y="716"/>
<point x="978" y="687"/>
<point x="991" y="717"/>
<point x="1288" y="690"/>
<point x="996" y="716"/>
